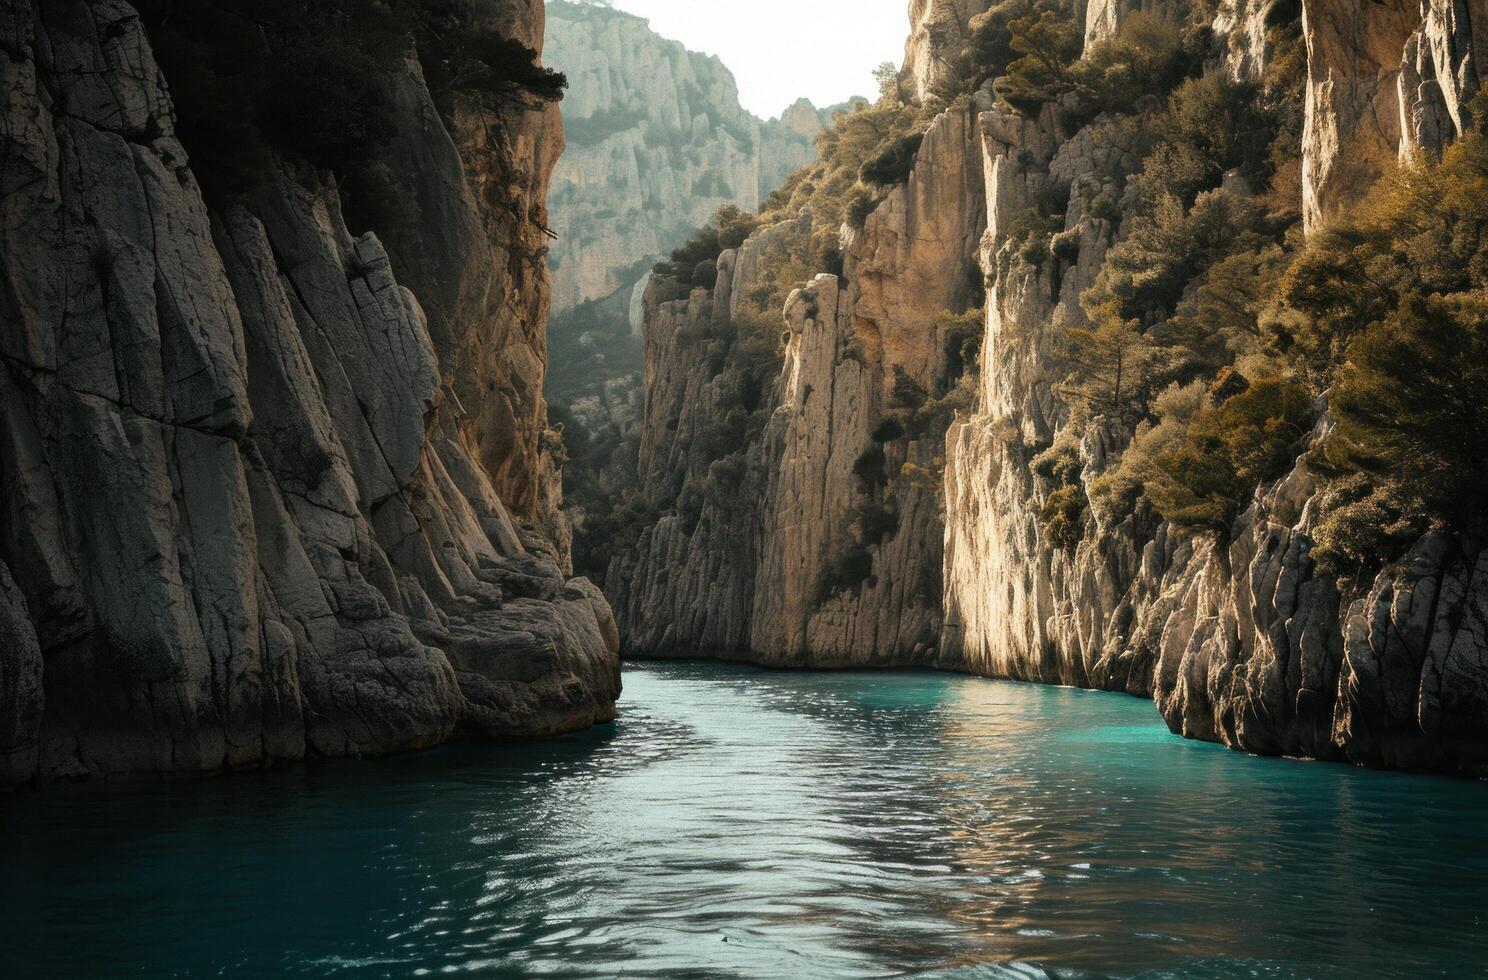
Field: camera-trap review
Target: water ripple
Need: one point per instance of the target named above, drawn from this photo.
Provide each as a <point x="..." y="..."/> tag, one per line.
<point x="740" y="823"/>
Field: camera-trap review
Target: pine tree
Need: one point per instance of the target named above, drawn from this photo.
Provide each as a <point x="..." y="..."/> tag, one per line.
<point x="1109" y="365"/>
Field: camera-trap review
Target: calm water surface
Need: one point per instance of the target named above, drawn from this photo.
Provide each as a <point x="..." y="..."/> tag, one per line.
<point x="736" y="822"/>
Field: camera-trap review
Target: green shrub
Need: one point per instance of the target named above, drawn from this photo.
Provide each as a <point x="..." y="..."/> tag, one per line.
<point x="987" y="52"/>
<point x="1063" y="516"/>
<point x="1110" y="367"/>
<point x="859" y="207"/>
<point x="870" y="467"/>
<point x="1146" y="272"/>
<point x="876" y="523"/>
<point x="1060" y="463"/>
<point x="1114" y="496"/>
<point x="1046" y="38"/>
<point x="867" y="147"/>
<point x="1230" y="447"/>
<point x="697" y="257"/>
<point x="1412" y="421"/>
<point x="892" y="166"/>
<point x="1145" y="57"/>
<point x="1365" y="524"/>
<point x="936" y="413"/>
<point x="1065" y="245"/>
<point x="888" y="430"/>
<point x="1193" y="488"/>
<point x="845" y="575"/>
<point x="963" y="334"/>
<point x="1388" y="309"/>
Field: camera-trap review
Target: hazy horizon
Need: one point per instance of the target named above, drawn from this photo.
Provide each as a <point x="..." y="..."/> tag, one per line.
<point x="782" y="50"/>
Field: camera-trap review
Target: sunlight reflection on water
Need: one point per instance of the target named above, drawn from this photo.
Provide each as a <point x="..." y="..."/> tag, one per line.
<point x="737" y="822"/>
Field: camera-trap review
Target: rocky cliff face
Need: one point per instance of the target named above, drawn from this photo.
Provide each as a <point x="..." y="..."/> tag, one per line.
<point x="657" y="141"/>
<point x="937" y="31"/>
<point x="1383" y="80"/>
<point x="1241" y="641"/>
<point x="270" y="488"/>
<point x="1244" y="643"/>
<point x="820" y="544"/>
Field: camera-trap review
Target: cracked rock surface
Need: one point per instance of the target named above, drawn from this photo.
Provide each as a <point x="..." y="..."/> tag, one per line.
<point x="1242" y="643"/>
<point x="263" y="494"/>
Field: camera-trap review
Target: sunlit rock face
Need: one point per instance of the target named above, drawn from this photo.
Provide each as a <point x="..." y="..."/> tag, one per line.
<point x="1383" y="80"/>
<point x="754" y="578"/>
<point x="656" y="142"/>
<point x="1016" y="605"/>
<point x="1239" y="643"/>
<point x="270" y="489"/>
<point x="938" y="28"/>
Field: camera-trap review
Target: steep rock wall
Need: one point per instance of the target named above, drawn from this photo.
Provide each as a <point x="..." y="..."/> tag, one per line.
<point x="937" y="30"/>
<point x="261" y="499"/>
<point x="786" y="567"/>
<point x="657" y="141"/>
<point x="1383" y="80"/>
<point x="1243" y="644"/>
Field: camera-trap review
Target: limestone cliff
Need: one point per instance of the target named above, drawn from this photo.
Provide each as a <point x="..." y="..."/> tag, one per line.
<point x="938" y="30"/>
<point x="657" y="141"/>
<point x="1383" y="80"/>
<point x="1245" y="643"/>
<point x="819" y="543"/>
<point x="794" y="549"/>
<point x="269" y="488"/>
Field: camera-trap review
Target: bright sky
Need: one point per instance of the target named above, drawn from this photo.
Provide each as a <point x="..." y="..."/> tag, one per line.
<point x="781" y="50"/>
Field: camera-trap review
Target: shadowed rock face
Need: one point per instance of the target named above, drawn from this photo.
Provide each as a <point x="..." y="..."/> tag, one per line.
<point x="268" y="488"/>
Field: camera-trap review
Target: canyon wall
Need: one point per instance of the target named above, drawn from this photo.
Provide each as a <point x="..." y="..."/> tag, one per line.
<point x="269" y="488"/>
<point x="1238" y="638"/>
<point x="657" y="141"/>
<point x="818" y="544"/>
<point x="1243" y="642"/>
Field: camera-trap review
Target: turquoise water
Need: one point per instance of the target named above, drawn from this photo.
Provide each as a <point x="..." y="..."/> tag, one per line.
<point x="737" y="822"/>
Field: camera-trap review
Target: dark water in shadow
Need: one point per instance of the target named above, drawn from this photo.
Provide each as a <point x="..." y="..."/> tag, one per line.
<point x="736" y="822"/>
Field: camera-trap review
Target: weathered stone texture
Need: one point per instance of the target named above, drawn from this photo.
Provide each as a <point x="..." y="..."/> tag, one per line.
<point x="658" y="142"/>
<point x="1241" y="644"/>
<point x="250" y="497"/>
<point x="1383" y="80"/>
<point x="753" y="579"/>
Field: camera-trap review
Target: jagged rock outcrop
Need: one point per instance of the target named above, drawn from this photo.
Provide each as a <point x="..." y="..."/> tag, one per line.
<point x="938" y="29"/>
<point x="1383" y="80"/>
<point x="657" y="141"/>
<point x="1245" y="644"/>
<point x="268" y="488"/>
<point x="823" y="546"/>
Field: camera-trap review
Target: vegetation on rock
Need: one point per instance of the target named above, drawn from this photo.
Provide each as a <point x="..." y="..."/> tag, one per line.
<point x="1214" y="331"/>
<point x="241" y="69"/>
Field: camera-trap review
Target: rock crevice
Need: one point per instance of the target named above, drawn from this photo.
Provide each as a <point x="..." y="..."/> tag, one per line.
<point x="251" y="508"/>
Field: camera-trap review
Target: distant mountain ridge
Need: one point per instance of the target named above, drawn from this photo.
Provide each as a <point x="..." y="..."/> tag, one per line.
<point x="657" y="141"/>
